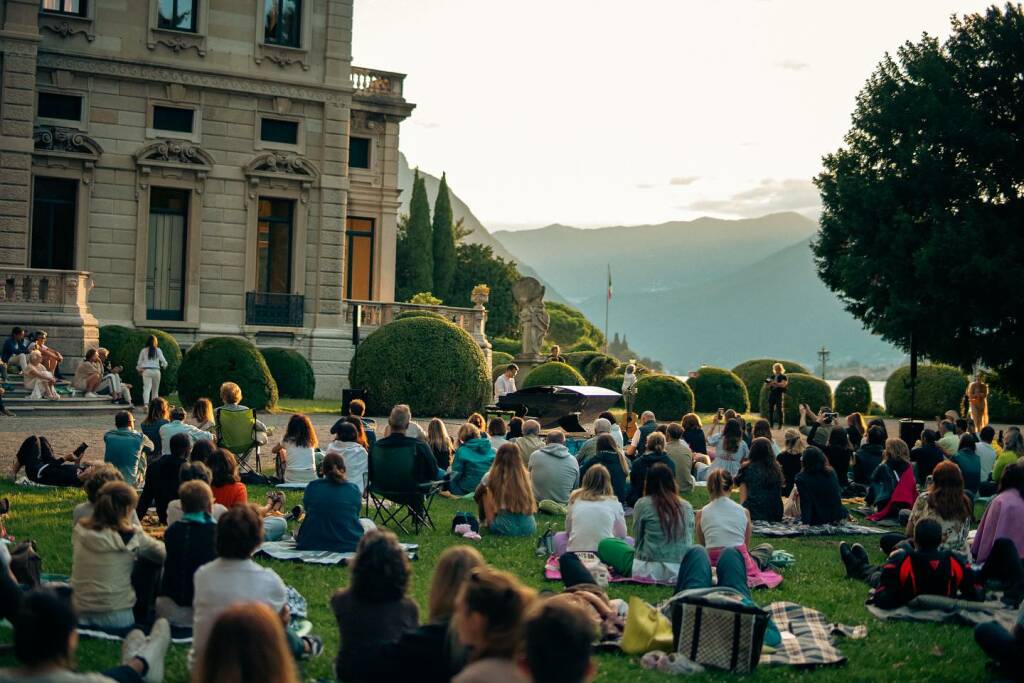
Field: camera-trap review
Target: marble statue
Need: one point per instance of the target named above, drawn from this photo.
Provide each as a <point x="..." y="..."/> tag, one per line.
<point x="533" y="317"/>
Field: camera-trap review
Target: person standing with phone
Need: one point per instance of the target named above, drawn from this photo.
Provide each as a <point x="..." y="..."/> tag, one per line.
<point x="777" y="385"/>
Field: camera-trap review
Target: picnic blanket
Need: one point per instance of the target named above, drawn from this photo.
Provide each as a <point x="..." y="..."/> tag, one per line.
<point x="787" y="528"/>
<point x="943" y="610"/>
<point x="553" y="573"/>
<point x="286" y="550"/>
<point x="808" y="639"/>
<point x="292" y="485"/>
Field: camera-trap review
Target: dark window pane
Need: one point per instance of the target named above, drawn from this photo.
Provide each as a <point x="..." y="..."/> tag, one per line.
<point x="359" y="152"/>
<point x="282" y="22"/>
<point x="178" y="15"/>
<point x="76" y="7"/>
<point x="274" y="246"/>
<point x="172" y="118"/>
<point x="53" y="223"/>
<point x="275" y="130"/>
<point x="54" y="106"/>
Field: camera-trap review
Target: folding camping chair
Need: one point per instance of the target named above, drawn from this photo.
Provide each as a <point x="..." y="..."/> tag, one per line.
<point x="236" y="431"/>
<point x="394" y="493"/>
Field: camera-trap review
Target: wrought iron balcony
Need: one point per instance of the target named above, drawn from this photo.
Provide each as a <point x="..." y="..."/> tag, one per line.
<point x="273" y="309"/>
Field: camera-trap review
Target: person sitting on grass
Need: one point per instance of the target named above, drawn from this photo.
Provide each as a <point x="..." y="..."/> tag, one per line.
<point x="375" y="608"/>
<point x="762" y="429"/>
<point x="1005" y="648"/>
<point x="1003" y="516"/>
<point x="614" y="460"/>
<point x="157" y="415"/>
<point x="332" y="504"/>
<point x="193" y="471"/>
<point x="489" y="616"/>
<point x="114" y="565"/>
<point x="162" y="478"/>
<point x="553" y="470"/>
<point x="663" y="525"/>
<point x="505" y="496"/>
<point x="125" y="449"/>
<point x="46" y="640"/>
<point x="471" y="461"/>
<point x="228" y="489"/>
<point x="648" y="425"/>
<point x="722" y="523"/>
<point x="231" y="397"/>
<point x="948" y="441"/>
<point x="594" y="514"/>
<point x="1013" y="450"/>
<point x="247" y="644"/>
<point x="987" y="455"/>
<point x="43" y="466"/>
<point x="177" y="425"/>
<point x="790" y="458"/>
<point x="730" y="448"/>
<point x="191" y="543"/>
<point x="966" y="458"/>
<point x="589" y="447"/>
<point x="909" y="572"/>
<point x="357" y="412"/>
<point x="839" y="455"/>
<point x="693" y="433"/>
<point x="440" y="443"/>
<point x="356" y="459"/>
<point x="817" y="489"/>
<point x="530" y="441"/>
<point x="295" y="457"/>
<point x="869" y="456"/>
<point x="515" y="428"/>
<point x="202" y="415"/>
<point x="681" y="456"/>
<point x="927" y="455"/>
<point x="558" y="640"/>
<point x="93" y="481"/>
<point x="496" y="432"/>
<point x="654" y="454"/>
<point x="884" y="491"/>
<point x="946" y="503"/>
<point x="760" y="482"/>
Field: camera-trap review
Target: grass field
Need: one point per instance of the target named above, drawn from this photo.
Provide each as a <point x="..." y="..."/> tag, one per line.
<point x="891" y="651"/>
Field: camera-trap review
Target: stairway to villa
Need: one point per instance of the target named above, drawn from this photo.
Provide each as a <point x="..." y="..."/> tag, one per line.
<point x="72" y="403"/>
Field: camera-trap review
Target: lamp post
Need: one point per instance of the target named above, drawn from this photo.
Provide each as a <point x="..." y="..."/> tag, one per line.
<point x="823" y="355"/>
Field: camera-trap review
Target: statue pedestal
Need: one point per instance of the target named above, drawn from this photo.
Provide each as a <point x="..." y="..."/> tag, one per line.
<point x="528" y="363"/>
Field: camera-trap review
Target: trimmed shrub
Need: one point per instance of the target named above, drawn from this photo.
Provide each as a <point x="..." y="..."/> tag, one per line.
<point x="432" y="365"/>
<point x="425" y="298"/>
<point x="291" y="371"/>
<point x="876" y="409"/>
<point x="614" y="382"/>
<point x="499" y="361"/>
<point x="715" y="388"/>
<point x="216" y="360"/>
<point x="505" y="345"/>
<point x="939" y="388"/>
<point x="808" y="389"/>
<point x="552" y="374"/>
<point x="125" y="343"/>
<point x="593" y="365"/>
<point x="754" y="372"/>
<point x="420" y="314"/>
<point x="853" y="395"/>
<point x="1004" y="407"/>
<point x="665" y="396"/>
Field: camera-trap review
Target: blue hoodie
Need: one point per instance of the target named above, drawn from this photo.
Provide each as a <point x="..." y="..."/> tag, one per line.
<point x="470" y="464"/>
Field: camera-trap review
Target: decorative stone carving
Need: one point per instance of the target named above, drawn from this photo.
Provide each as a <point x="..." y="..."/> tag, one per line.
<point x="173" y="156"/>
<point x="277" y="167"/>
<point x="533" y="317"/>
<point x="178" y="44"/>
<point x="65" y="30"/>
<point x="65" y="141"/>
<point x="62" y="79"/>
<point x="282" y="105"/>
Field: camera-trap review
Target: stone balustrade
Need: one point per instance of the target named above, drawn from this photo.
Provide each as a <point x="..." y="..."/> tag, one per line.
<point x="37" y="289"/>
<point x="376" y="83"/>
<point x="377" y="313"/>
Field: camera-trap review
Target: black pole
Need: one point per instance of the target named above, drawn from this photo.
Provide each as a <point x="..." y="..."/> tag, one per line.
<point x="913" y="373"/>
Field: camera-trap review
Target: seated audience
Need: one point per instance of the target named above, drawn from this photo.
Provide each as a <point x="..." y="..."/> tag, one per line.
<point x="425" y="468"/>
<point x="441" y="443"/>
<point x="594" y="513"/>
<point x="648" y="424"/>
<point x="764" y="430"/>
<point x="157" y="415"/>
<point x="247" y="644"/>
<point x="505" y="495"/>
<point x="856" y="428"/>
<point x="104" y="550"/>
<point x="515" y="428"/>
<point x="614" y="460"/>
<point x="471" y="461"/>
<point x="760" y="482"/>
<point x="558" y="642"/>
<point x="361" y="433"/>
<point x="93" y="481"/>
<point x="496" y="431"/>
<point x="791" y="459"/>
<point x="880" y="423"/>
<point x="357" y="412"/>
<point x="817" y="426"/>
<point x="202" y="451"/>
<point x="869" y="456"/>
<point x="663" y="525"/>
<point x="1013" y="450"/>
<point x="693" y="433"/>
<point x="945" y="503"/>
<point x="887" y="476"/>
<point x="927" y="455"/>
<point x="949" y="440"/>
<point x="530" y="441"/>
<point x="202" y="415"/>
<point x="678" y="451"/>
<point x="839" y="455"/>
<point x="987" y="458"/>
<point x="969" y="463"/>
<point x="231" y="397"/>
<point x="124" y="449"/>
<point x="553" y="470"/>
<point x="112" y="385"/>
<point x="1005" y="648"/>
<point x="375" y="608"/>
<point x="38" y="380"/>
<point x="817" y="489"/>
<point x="193" y="471"/>
<point x="228" y="489"/>
<point x="296" y="455"/>
<point x="15" y="351"/>
<point x="477" y="420"/>
<point x="332" y="507"/>
<point x="162" y="479"/>
<point x="489" y="616"/>
<point x="730" y="448"/>
<point x="43" y="466"/>
<point x="589" y="447"/>
<point x="654" y="454"/>
<point x="722" y="523"/>
<point x="1004" y="516"/>
<point x="356" y="459"/>
<point x="51" y="358"/>
<point x="177" y="425"/>
<point x="88" y="375"/>
<point x="616" y="432"/>
<point x="191" y="542"/>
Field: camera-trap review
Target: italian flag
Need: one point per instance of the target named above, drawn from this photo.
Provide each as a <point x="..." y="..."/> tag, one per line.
<point x="609" y="282"/>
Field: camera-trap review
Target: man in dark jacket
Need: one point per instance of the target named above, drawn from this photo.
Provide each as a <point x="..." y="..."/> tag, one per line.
<point x="927" y="455"/>
<point x="868" y="457"/>
<point x="425" y="468"/>
<point x="191" y="543"/>
<point x="162" y="479"/>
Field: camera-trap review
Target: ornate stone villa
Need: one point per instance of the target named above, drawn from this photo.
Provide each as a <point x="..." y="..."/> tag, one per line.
<point x="205" y="167"/>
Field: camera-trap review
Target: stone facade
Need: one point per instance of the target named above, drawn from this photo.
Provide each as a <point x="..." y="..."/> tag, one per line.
<point x="198" y="158"/>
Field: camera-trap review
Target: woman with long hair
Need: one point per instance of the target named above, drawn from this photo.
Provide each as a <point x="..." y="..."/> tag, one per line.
<point x="158" y="413"/>
<point x="440" y="443"/>
<point x="946" y="503"/>
<point x="505" y="495"/>
<point x="614" y="460"/>
<point x="357" y="460"/>
<point x="202" y="415"/>
<point x="1001" y="524"/>
<point x="730" y="449"/>
<point x="247" y="645"/>
<point x="856" y="428"/>
<point x="295" y="457"/>
<point x="43" y="466"/>
<point x="332" y="506"/>
<point x="693" y="433"/>
<point x="151" y="362"/>
<point x="789" y="459"/>
<point x="760" y="480"/>
<point x="763" y="429"/>
<point x="663" y="525"/>
<point x="594" y="513"/>
<point x="361" y="437"/>
<point x="722" y="523"/>
<point x="496" y="431"/>
<point x="839" y="454"/>
<point x="228" y="489"/>
<point x="477" y="420"/>
<point x="88" y="374"/>
<point x="654" y="454"/>
<point x="886" y="477"/>
<point x="817" y="488"/>
<point x="966" y="458"/>
<point x="375" y="608"/>
<point x="515" y="428"/>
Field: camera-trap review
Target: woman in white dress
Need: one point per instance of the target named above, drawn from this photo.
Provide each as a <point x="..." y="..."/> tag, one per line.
<point x="38" y="379"/>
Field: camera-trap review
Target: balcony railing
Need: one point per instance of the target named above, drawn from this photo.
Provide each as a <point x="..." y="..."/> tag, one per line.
<point x="374" y="83"/>
<point x="274" y="310"/>
<point x="377" y="313"/>
<point x="38" y="289"/>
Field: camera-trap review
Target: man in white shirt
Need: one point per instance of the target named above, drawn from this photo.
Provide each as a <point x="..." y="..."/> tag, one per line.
<point x="177" y="425"/>
<point x="506" y="382"/>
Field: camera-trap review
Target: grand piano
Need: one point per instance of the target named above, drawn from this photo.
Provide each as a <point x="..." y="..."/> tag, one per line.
<point x="568" y="407"/>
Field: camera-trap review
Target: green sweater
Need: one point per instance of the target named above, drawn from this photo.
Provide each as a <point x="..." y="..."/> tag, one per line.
<point x="652" y="544"/>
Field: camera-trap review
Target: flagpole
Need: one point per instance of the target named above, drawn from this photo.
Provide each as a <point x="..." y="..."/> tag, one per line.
<point x="607" y="303"/>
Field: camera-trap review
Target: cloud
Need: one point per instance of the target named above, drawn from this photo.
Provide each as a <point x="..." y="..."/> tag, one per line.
<point x="771" y="195"/>
<point x="684" y="180"/>
<point x="792" y="65"/>
<point x="644" y="186"/>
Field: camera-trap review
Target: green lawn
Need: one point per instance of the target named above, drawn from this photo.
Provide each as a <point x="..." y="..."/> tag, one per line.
<point x="891" y="650"/>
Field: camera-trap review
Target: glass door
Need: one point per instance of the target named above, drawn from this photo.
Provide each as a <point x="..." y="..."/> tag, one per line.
<point x="165" y="269"/>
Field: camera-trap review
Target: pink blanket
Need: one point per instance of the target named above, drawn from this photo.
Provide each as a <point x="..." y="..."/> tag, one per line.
<point x="756" y="578"/>
<point x="905" y="494"/>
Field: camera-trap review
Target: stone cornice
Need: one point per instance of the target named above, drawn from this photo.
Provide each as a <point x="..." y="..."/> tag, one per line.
<point x="203" y="79"/>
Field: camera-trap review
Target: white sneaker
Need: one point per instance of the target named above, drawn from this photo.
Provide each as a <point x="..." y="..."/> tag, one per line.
<point x="155" y="650"/>
<point x="91" y="394"/>
<point x="132" y="646"/>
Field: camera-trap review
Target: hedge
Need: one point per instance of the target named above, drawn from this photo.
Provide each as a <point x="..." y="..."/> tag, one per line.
<point x="802" y="388"/>
<point x="216" y="360"/>
<point x="553" y="373"/>
<point x="499" y="361"/>
<point x="291" y="371"/>
<point x="593" y="365"/>
<point x="1004" y="407"/>
<point x="939" y="388"/>
<point x="853" y="395"/>
<point x="420" y="314"/>
<point x="715" y="388"/>
<point x="505" y="345"/>
<point x="754" y="372"/>
<point x="665" y="396"/>
<point x="125" y="343"/>
<point x="614" y="382"/>
<point x="433" y="366"/>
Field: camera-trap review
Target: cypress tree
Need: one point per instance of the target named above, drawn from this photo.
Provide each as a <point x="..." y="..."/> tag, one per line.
<point x="418" y="243"/>
<point x="444" y="243"/>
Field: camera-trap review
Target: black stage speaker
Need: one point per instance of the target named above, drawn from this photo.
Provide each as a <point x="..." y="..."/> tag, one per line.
<point x="910" y="431"/>
<point x="349" y="395"/>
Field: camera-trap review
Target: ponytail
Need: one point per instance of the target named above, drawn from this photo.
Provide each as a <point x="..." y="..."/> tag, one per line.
<point x="719" y="483"/>
<point x="334" y="468"/>
<point x="114" y="504"/>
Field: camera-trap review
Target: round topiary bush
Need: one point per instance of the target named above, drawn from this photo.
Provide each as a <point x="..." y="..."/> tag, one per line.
<point x="553" y="374"/>
<point x="216" y="360"/>
<point x="853" y="395"/>
<point x="593" y="365"/>
<point x="433" y="366"/>
<point x="754" y="372"/>
<point x="1004" y="407"/>
<point x="499" y="361"/>
<point x="715" y="388"/>
<point x="939" y="388"/>
<point x="291" y="371"/>
<point x="665" y="396"/>
<point x="420" y="314"/>
<point x="125" y="343"/>
<point x="802" y="388"/>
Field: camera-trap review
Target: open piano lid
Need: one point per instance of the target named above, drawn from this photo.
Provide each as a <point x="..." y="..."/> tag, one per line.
<point x="562" y="406"/>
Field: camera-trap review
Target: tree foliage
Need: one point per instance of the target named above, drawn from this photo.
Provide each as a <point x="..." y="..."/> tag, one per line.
<point x="570" y="329"/>
<point x="444" y="242"/>
<point x="476" y="264"/>
<point x="417" y="247"/>
<point x="922" y="206"/>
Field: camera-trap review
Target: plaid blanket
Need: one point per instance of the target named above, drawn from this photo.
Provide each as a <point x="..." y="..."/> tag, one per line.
<point x="286" y="550"/>
<point x="808" y="639"/>
<point x="793" y="528"/>
<point x="942" y="610"/>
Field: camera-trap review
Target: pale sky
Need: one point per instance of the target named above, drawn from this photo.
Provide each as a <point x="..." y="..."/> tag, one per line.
<point x="607" y="112"/>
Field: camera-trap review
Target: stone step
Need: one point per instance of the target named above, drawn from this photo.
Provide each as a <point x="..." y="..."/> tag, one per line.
<point x="66" y="407"/>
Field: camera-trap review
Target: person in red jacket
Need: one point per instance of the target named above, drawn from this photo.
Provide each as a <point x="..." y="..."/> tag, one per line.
<point x="912" y="571"/>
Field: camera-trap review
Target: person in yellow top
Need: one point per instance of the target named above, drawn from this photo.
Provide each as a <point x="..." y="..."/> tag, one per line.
<point x="977" y="401"/>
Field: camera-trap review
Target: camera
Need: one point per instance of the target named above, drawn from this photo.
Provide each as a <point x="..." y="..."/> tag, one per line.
<point x="830" y="417"/>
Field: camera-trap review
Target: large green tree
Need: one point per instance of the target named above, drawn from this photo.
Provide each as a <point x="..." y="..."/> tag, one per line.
<point x="922" y="229"/>
<point x="476" y="264"/>
<point x="418" y="245"/>
<point x="444" y="242"/>
<point x="571" y="329"/>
